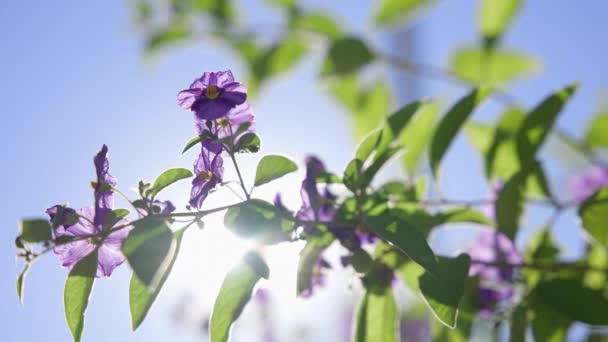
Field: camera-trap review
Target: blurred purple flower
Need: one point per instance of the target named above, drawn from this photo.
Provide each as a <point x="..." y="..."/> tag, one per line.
<point x="88" y="232"/>
<point x="586" y="183"/>
<point x="209" y="171"/>
<point x="490" y="209"/>
<point x="315" y="207"/>
<point x="491" y="246"/>
<point x="490" y="298"/>
<point x="62" y="216"/>
<point x="414" y="329"/>
<point x="213" y="95"/>
<point x="319" y="276"/>
<point x="157" y="207"/>
<point x="230" y="124"/>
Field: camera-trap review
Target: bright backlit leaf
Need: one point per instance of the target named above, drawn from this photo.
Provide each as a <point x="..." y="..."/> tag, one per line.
<point x="393" y="12"/>
<point x="77" y="291"/>
<point x="167" y="178"/>
<point x="272" y="167"/>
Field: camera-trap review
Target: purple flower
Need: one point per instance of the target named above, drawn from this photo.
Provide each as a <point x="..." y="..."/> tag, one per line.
<point x="490" y="298"/>
<point x="87" y="233"/>
<point x="230" y="124"/>
<point x="157" y="207"/>
<point x="209" y="171"/>
<point x="586" y="183"/>
<point x="493" y="247"/>
<point x="319" y="276"/>
<point x="213" y="95"/>
<point x="490" y="209"/>
<point x="315" y="207"/>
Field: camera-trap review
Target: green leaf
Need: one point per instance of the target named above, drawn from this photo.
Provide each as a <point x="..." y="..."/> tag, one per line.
<point x="141" y="297"/>
<point x="369" y="144"/>
<point x="279" y="58"/>
<point x="148" y="249"/>
<point x="463" y="215"/>
<point x="272" y="167"/>
<point x="398" y="11"/>
<point x="510" y="204"/>
<point x="234" y="294"/>
<point x="537" y="125"/>
<point x="379" y="160"/>
<point x="594" y="215"/>
<point x="315" y="245"/>
<point x="451" y="123"/>
<point x="345" y="56"/>
<point x="495" y="16"/>
<point x="495" y="67"/>
<point x="20" y="281"/>
<point x="36" y="230"/>
<point x="352" y="175"/>
<point x="167" y="178"/>
<point x="77" y="291"/>
<point x="405" y="237"/>
<point x="191" y="143"/>
<point x="249" y="142"/>
<point x="596" y="132"/>
<point x="394" y="126"/>
<point x="258" y="219"/>
<point x="519" y="322"/>
<point x="320" y="23"/>
<point x="177" y="31"/>
<point x="377" y="316"/>
<point x="442" y="294"/>
<point x="113" y="217"/>
<point x="580" y="304"/>
<point x="548" y="325"/>
<point x="418" y="134"/>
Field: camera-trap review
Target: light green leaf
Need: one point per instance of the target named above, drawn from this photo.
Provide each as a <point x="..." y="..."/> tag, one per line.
<point x="395" y="124"/>
<point x="315" y="245"/>
<point x="463" y="215"/>
<point x="594" y="215"/>
<point x="318" y="22"/>
<point x="177" y="31"/>
<point x="418" y="134"/>
<point x="398" y="11"/>
<point x="258" y="219"/>
<point x="20" y="281"/>
<point x="191" y="143"/>
<point x="373" y="104"/>
<point x="352" y="175"/>
<point x="148" y="249"/>
<point x="279" y="58"/>
<point x="167" y="178"/>
<point x="272" y="167"/>
<point x="113" y="217"/>
<point x="249" y="142"/>
<point x="495" y="16"/>
<point x="442" y="294"/>
<point x="377" y="316"/>
<point x="36" y="230"/>
<point x="234" y="294"/>
<point x="495" y="67"/>
<point x="77" y="291"/>
<point x="405" y="237"/>
<point x="596" y="132"/>
<point x="539" y="122"/>
<point x="345" y="56"/>
<point x="141" y="297"/>
<point x="450" y="124"/>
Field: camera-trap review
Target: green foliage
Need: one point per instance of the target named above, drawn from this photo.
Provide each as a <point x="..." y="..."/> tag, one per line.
<point x="377" y="316"/>
<point x="272" y="167"/>
<point x="495" y="16"/>
<point x="393" y="12"/>
<point x="493" y="67"/>
<point x="167" y="178"/>
<point x="77" y="291"/>
<point x="249" y="142"/>
<point x="318" y="22"/>
<point x="345" y="56"/>
<point x="510" y="204"/>
<point x="442" y="294"/>
<point x="519" y="322"/>
<point x="113" y="217"/>
<point x="235" y="293"/>
<point x="35" y="230"/>
<point x="176" y="32"/>
<point x="148" y="249"/>
<point x="594" y="215"/>
<point x="315" y="245"/>
<point x="549" y="325"/>
<point x="418" y="134"/>
<point x="141" y="297"/>
<point x="596" y="133"/>
<point x="279" y="58"/>
<point x="409" y="240"/>
<point x="191" y="143"/>
<point x="258" y="219"/>
<point x="20" y="282"/>
<point x="451" y="123"/>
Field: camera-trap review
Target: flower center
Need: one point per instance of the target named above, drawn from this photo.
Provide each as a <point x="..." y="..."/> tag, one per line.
<point x="206" y="175"/>
<point x="94" y="240"/>
<point x="213" y="92"/>
<point x="94" y="185"/>
<point x="222" y="122"/>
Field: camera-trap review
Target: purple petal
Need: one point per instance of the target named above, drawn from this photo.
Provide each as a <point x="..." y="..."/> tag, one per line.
<point x="109" y="256"/>
<point x="186" y="98"/>
<point x="489" y="247"/>
<point x="586" y="183"/>
<point x="234" y="93"/>
<point x="70" y="253"/>
<point x="223" y="78"/>
<point x="207" y="109"/>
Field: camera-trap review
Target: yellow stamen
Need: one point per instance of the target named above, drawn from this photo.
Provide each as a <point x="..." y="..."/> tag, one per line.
<point x="222" y="122"/>
<point x="94" y="185"/>
<point x="206" y="175"/>
<point x="213" y="92"/>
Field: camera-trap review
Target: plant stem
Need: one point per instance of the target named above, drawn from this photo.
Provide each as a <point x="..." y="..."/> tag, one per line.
<point x="238" y="172"/>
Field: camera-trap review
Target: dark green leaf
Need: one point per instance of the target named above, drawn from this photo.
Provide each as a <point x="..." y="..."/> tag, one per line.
<point x="272" y="167"/>
<point x="495" y="67"/>
<point x="594" y="215"/>
<point x="450" y="124"/>
<point x="571" y="299"/>
<point x="249" y="142"/>
<point x="495" y="16"/>
<point x="345" y="56"/>
<point x="77" y="291"/>
<point x="596" y="133"/>
<point x="191" y="143"/>
<point x="258" y="219"/>
<point x="510" y="204"/>
<point x="519" y="322"/>
<point x="167" y="178"/>
<point x="113" y="217"/>
<point x="548" y="325"/>
<point x="442" y="294"/>
<point x="539" y="122"/>
<point x="141" y="297"/>
<point x="406" y="237"/>
<point x="398" y="11"/>
<point x="36" y="230"/>
<point x="148" y="249"/>
<point x="234" y="294"/>
<point x="377" y="316"/>
<point x="315" y="245"/>
<point x="20" y="281"/>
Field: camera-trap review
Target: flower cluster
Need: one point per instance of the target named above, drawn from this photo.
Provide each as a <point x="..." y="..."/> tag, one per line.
<point x="221" y="118"/>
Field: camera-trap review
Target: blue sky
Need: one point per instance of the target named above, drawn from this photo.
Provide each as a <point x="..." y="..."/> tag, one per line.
<point x="74" y="77"/>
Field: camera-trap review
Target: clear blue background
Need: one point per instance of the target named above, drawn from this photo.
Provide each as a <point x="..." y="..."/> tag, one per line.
<point x="73" y="76"/>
